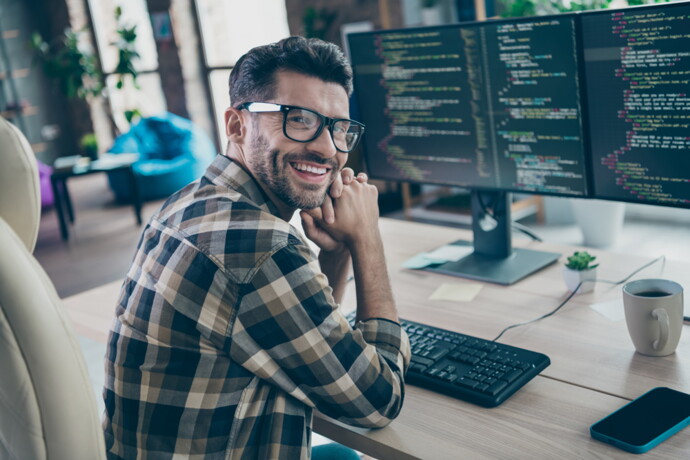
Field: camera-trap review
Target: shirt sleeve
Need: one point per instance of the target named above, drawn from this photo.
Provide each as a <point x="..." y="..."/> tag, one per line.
<point x="290" y="332"/>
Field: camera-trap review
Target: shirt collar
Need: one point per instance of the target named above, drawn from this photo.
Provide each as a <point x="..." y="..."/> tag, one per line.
<point x="226" y="173"/>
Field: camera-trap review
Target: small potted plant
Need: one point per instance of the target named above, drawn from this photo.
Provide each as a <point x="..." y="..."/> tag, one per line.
<point x="579" y="269"/>
<point x="89" y="146"/>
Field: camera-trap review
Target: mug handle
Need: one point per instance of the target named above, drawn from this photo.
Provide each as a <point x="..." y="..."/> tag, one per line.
<point x="662" y="317"/>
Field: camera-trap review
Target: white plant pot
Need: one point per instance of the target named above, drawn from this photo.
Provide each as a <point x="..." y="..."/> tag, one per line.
<point x="573" y="277"/>
<point x="601" y="221"/>
<point x="432" y="16"/>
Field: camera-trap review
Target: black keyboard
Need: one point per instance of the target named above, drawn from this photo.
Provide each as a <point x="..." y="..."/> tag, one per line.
<point x="469" y="368"/>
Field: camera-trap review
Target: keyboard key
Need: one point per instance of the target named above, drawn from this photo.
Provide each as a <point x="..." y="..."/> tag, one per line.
<point x="420" y="360"/>
<point x="473" y="360"/>
<point x="433" y="372"/>
<point x="496" y="387"/>
<point x="466" y="382"/>
<point x="511" y="376"/>
<point x="437" y="353"/>
<point x="414" y="367"/>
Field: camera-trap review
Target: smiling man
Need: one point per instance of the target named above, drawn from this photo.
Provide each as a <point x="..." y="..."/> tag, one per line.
<point x="227" y="332"/>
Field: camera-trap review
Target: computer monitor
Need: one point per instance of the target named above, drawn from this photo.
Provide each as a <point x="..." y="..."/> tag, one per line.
<point x="493" y="107"/>
<point x="637" y="80"/>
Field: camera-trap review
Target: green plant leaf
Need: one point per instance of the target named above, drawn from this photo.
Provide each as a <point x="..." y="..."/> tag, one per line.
<point x="75" y="69"/>
<point x="581" y="260"/>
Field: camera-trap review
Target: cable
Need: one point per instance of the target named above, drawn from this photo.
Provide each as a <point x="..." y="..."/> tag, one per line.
<point x="577" y="288"/>
<point x="543" y="316"/>
<point x="663" y="264"/>
<point x="490" y="209"/>
<point x="491" y="212"/>
<point x="521" y="228"/>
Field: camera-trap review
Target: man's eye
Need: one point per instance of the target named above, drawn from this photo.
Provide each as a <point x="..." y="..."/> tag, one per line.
<point x="302" y="120"/>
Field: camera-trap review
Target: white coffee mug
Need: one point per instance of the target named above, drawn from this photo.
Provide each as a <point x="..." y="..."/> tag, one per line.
<point x="654" y="314"/>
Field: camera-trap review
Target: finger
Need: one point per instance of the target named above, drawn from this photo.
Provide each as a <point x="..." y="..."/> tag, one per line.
<point x="314" y="213"/>
<point x="307" y="219"/>
<point x="308" y="223"/>
<point x="362" y="178"/>
<point x="337" y="186"/>
<point x="327" y="210"/>
<point x="348" y="175"/>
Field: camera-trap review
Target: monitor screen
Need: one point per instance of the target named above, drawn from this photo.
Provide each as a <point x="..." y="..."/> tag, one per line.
<point x="637" y="79"/>
<point x="493" y="105"/>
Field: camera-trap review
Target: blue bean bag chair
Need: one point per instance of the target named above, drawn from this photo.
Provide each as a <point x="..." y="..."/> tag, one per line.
<point x="172" y="153"/>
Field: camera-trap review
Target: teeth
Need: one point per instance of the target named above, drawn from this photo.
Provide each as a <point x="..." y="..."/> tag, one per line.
<point x="309" y="168"/>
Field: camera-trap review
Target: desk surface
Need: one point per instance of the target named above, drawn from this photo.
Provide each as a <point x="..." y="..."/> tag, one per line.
<point x="594" y="366"/>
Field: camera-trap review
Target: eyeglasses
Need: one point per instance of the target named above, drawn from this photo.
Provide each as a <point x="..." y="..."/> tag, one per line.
<point x="305" y="125"/>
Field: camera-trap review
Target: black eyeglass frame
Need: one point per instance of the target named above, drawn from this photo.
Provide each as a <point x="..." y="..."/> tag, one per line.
<point x="270" y="107"/>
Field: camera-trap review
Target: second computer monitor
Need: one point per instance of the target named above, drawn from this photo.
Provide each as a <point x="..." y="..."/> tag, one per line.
<point x="637" y="68"/>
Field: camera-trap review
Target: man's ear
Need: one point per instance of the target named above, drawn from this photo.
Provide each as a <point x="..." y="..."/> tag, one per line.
<point x="235" y="126"/>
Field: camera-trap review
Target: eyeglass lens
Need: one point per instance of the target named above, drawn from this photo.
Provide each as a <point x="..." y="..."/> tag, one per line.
<point x="303" y="125"/>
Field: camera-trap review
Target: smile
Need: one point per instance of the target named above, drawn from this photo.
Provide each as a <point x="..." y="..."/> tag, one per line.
<point x="304" y="167"/>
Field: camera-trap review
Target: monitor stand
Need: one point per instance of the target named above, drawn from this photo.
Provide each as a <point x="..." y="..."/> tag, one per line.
<point x="494" y="259"/>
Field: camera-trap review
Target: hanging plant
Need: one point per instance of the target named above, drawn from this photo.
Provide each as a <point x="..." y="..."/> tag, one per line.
<point x="126" y="51"/>
<point x="76" y="69"/>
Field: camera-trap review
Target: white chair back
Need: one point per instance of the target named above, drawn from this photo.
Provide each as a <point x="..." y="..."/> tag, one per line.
<point x="20" y="196"/>
<point x="47" y="404"/>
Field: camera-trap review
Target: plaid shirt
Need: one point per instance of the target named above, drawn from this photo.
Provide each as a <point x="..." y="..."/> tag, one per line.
<point x="226" y="336"/>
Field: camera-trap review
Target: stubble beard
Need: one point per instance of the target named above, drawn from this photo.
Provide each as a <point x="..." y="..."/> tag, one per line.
<point x="272" y="171"/>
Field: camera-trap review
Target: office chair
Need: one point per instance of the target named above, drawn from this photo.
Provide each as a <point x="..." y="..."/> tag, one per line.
<point x="20" y="198"/>
<point x="47" y="406"/>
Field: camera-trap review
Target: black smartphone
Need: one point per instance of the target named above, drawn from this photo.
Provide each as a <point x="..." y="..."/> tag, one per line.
<point x="646" y="421"/>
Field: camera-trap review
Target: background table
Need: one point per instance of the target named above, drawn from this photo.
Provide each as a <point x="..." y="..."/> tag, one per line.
<point x="107" y="163"/>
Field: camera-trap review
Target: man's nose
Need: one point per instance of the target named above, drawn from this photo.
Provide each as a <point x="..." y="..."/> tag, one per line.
<point x="323" y="144"/>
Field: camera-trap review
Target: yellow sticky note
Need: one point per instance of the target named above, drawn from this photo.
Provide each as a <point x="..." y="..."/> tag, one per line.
<point x="459" y="292"/>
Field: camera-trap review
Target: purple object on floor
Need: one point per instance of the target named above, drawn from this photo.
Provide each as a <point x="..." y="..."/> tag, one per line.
<point x="44" y="172"/>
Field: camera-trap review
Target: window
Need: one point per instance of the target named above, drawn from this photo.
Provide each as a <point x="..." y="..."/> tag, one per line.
<point x="228" y="30"/>
<point x="149" y="100"/>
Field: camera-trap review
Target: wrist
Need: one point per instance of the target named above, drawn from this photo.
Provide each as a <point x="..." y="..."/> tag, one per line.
<point x="341" y="250"/>
<point x="366" y="244"/>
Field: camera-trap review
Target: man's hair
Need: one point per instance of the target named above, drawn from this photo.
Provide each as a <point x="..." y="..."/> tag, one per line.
<point x="253" y="79"/>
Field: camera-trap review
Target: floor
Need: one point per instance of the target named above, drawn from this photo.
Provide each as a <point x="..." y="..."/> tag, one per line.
<point x="105" y="234"/>
<point x="101" y="241"/>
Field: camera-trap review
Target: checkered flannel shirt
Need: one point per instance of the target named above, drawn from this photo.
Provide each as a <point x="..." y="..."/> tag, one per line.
<point x="226" y="336"/>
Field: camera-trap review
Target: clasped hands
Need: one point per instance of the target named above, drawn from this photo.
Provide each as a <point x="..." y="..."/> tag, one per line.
<point x="348" y="216"/>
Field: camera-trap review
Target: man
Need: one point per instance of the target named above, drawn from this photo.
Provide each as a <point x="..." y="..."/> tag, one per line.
<point x="227" y="333"/>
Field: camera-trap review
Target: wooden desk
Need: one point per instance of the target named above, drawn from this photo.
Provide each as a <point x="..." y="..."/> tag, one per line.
<point x="594" y="366"/>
